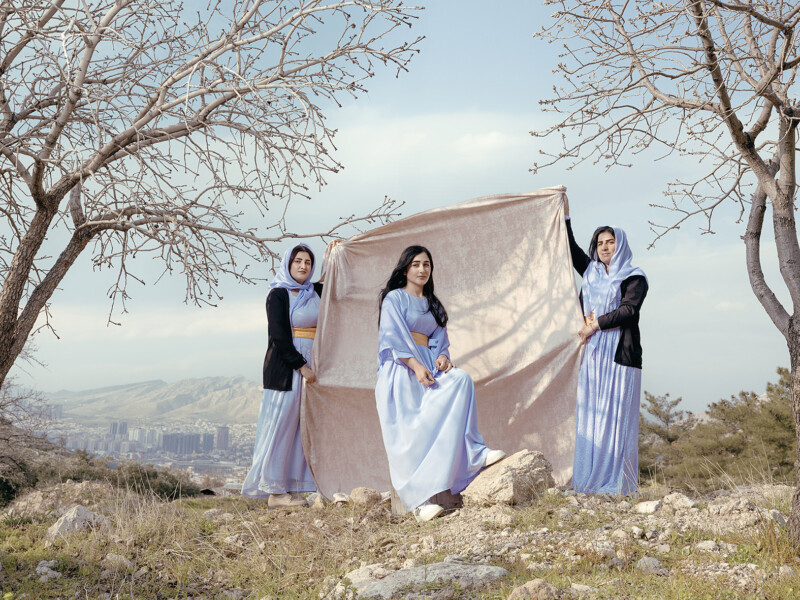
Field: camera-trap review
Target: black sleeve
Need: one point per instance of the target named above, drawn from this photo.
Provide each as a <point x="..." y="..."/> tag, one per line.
<point x="633" y="290"/>
<point x="318" y="288"/>
<point x="279" y="328"/>
<point x="580" y="260"/>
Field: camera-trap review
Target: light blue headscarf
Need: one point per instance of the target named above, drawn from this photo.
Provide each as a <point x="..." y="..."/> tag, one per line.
<point x="601" y="290"/>
<point x="283" y="279"/>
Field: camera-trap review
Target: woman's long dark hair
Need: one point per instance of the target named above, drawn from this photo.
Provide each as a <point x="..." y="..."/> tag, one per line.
<point x="593" y="244"/>
<point x="398" y="280"/>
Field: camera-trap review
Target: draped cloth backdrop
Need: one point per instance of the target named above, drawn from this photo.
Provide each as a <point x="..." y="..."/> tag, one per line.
<point x="503" y="271"/>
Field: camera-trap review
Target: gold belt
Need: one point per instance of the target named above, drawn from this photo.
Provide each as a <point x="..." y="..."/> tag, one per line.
<point x="589" y="319"/>
<point x="304" y="332"/>
<point x="420" y="338"/>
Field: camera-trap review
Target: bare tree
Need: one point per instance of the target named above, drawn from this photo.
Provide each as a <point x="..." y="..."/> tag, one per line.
<point x="146" y="128"/>
<point x="708" y="79"/>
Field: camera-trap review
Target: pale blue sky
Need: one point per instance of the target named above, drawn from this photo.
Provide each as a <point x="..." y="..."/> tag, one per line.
<point x="453" y="128"/>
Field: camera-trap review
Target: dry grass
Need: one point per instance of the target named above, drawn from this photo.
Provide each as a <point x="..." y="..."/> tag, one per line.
<point x="218" y="548"/>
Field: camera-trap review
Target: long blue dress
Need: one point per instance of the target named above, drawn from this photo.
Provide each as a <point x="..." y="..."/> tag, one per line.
<point x="607" y="416"/>
<point x="430" y="434"/>
<point x="279" y="464"/>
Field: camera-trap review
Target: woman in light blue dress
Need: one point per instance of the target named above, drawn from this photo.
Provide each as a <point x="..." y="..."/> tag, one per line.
<point x="425" y="404"/>
<point x="609" y="385"/>
<point x="279" y="468"/>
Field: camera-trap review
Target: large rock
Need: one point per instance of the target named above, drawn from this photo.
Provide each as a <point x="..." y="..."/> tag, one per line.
<point x="648" y="508"/>
<point x="375" y="581"/>
<point x="75" y="519"/>
<point x="518" y="479"/>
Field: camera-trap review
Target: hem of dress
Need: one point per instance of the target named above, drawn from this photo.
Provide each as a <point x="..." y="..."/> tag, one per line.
<point x="267" y="490"/>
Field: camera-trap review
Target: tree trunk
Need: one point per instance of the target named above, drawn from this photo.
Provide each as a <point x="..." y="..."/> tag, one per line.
<point x="794" y="353"/>
<point x="14" y="337"/>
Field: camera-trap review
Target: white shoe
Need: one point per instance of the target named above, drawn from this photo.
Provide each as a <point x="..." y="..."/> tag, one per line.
<point x="427" y="512"/>
<point x="493" y="456"/>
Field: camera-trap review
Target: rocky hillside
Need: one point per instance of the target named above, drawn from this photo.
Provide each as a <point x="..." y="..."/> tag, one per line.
<point x="554" y="543"/>
<point x="218" y="399"/>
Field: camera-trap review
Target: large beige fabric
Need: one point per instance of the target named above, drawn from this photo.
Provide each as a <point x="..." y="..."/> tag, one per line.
<point x="502" y="270"/>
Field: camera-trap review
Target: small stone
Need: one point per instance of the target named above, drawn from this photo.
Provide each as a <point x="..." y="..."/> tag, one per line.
<point x="663" y="548"/>
<point x="707" y="546"/>
<point x="410" y="563"/>
<point x="679" y="501"/>
<point x="318" y="523"/>
<point x="364" y="496"/>
<point x="786" y="571"/>
<point x="650" y="565"/>
<point x="117" y="562"/>
<point x="536" y="589"/>
<point x="317" y="501"/>
<point x="619" y="534"/>
<point x="616" y="563"/>
<point x="45" y="571"/>
<point x="650" y="534"/>
<point x="604" y="549"/>
<point x="648" y="508"/>
<point x="637" y="532"/>
<point x="340" y="498"/>
<point x="579" y="588"/>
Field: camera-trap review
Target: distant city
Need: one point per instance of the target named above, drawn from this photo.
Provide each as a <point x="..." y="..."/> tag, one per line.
<point x="208" y="451"/>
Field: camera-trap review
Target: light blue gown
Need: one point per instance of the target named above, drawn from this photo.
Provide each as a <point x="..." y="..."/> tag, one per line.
<point x="279" y="464"/>
<point x="607" y="416"/>
<point x="430" y="434"/>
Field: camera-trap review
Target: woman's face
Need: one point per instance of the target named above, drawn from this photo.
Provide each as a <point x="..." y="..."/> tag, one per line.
<point x="419" y="271"/>
<point x="301" y="266"/>
<point x="606" y="245"/>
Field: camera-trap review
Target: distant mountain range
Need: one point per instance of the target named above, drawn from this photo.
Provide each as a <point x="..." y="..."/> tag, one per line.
<point x="219" y="399"/>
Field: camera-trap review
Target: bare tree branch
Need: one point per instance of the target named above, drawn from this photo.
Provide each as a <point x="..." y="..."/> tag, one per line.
<point x="179" y="133"/>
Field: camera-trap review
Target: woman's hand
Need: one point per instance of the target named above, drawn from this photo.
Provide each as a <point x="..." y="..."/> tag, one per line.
<point x="443" y="363"/>
<point x="308" y="374"/>
<point x="588" y="331"/>
<point x="423" y="375"/>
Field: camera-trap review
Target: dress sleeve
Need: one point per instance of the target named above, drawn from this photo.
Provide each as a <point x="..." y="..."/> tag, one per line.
<point x="633" y="290"/>
<point x="580" y="260"/>
<point x="439" y="342"/>
<point x="279" y="328"/>
<point x="394" y="337"/>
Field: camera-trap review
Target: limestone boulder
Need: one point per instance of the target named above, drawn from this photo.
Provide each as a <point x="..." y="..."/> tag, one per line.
<point x="77" y="518"/>
<point x="519" y="479"/>
<point x="376" y="581"/>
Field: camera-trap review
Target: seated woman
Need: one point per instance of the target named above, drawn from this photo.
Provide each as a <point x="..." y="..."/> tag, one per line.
<point x="279" y="464"/>
<point x="425" y="404"/>
<point x="609" y="385"/>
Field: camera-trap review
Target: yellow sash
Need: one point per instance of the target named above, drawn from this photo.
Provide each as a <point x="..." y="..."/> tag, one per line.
<point x="420" y="338"/>
<point x="304" y="332"/>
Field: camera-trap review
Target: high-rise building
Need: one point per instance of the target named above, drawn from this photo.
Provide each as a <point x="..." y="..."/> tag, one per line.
<point x="113" y="429"/>
<point x="208" y="442"/>
<point x="223" y="437"/>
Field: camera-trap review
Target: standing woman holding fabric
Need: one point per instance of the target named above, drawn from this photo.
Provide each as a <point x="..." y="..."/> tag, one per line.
<point x="425" y="404"/>
<point x="279" y="464"/>
<point x="609" y="384"/>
